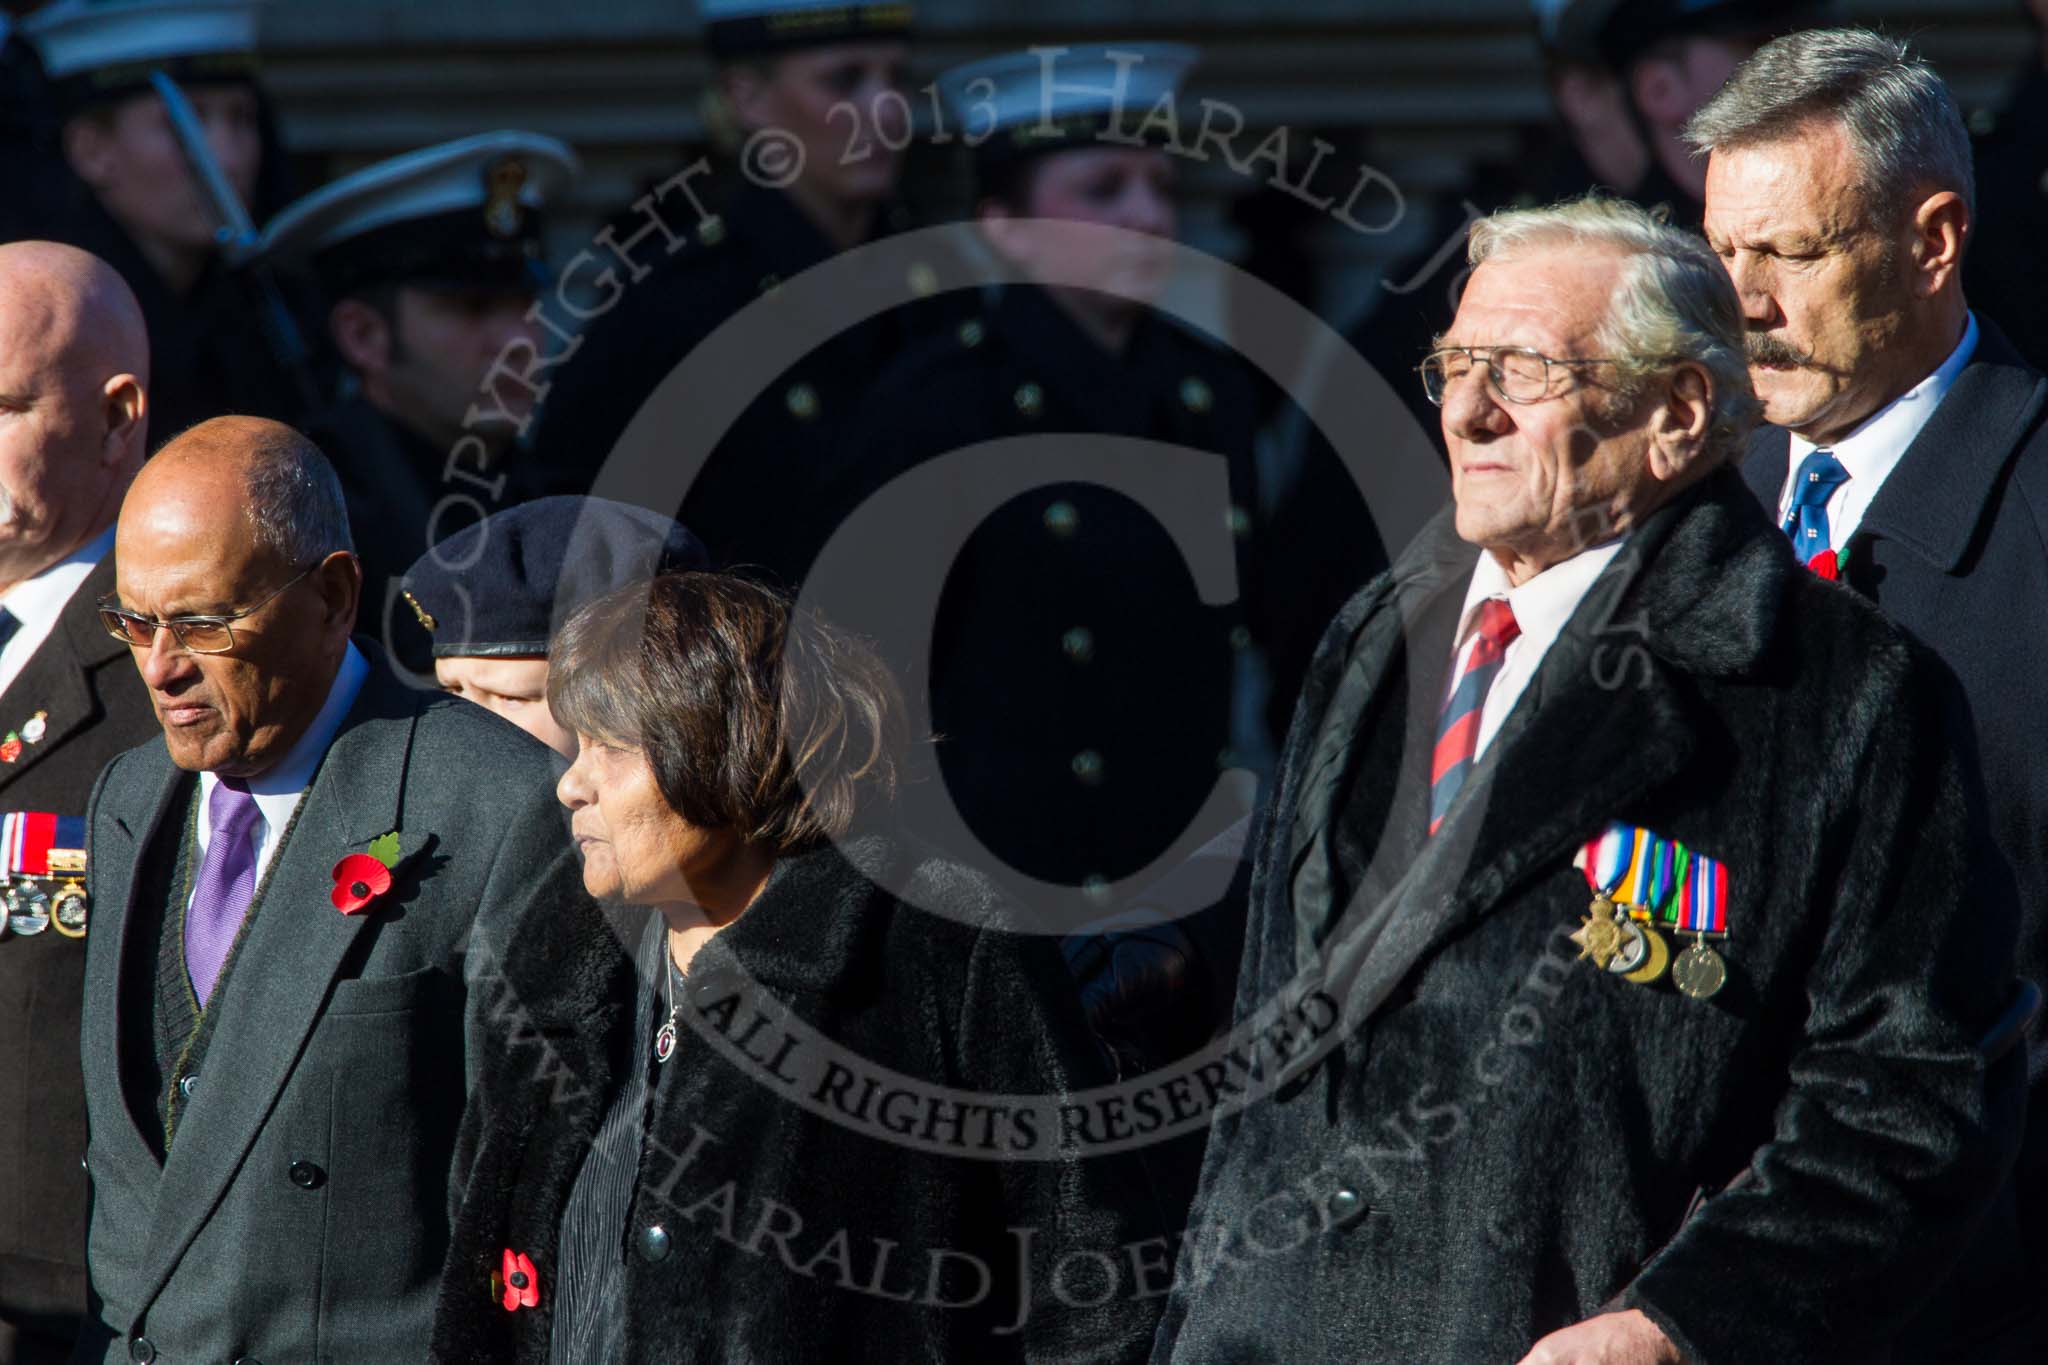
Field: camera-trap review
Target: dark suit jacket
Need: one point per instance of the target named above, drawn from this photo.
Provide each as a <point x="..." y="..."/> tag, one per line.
<point x="1508" y="1140"/>
<point x="1955" y="549"/>
<point x="97" y="708"/>
<point x="301" y="1214"/>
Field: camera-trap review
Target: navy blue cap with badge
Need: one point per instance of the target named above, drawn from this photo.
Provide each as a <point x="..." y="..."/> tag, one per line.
<point x="738" y="29"/>
<point x="462" y="214"/>
<point x="98" y="51"/>
<point x="501" y="588"/>
<point x="1025" y="104"/>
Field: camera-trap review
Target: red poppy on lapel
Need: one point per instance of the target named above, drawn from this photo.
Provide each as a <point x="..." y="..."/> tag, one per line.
<point x="1827" y="564"/>
<point x="521" y="1280"/>
<point x="358" y="880"/>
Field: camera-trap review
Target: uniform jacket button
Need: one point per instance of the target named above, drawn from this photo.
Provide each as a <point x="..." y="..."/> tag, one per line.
<point x="247" y="1360"/>
<point x="141" y="1351"/>
<point x="188" y="1084"/>
<point x="1079" y="644"/>
<point x="306" y="1175"/>
<point x="654" y="1243"/>
<point x="1087" y="766"/>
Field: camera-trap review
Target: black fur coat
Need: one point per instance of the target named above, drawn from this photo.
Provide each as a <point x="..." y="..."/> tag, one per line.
<point x="790" y="1237"/>
<point x="1508" y="1140"/>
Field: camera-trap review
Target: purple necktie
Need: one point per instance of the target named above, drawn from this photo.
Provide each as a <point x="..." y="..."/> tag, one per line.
<point x="227" y="881"/>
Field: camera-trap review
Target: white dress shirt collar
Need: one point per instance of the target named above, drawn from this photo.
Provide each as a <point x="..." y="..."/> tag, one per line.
<point x="1875" y="447"/>
<point x="1542" y="606"/>
<point x="37" y="603"/>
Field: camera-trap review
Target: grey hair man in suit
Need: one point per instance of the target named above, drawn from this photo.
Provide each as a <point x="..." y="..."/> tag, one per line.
<point x="74" y="366"/>
<point x="1908" y="454"/>
<point x="291" y="881"/>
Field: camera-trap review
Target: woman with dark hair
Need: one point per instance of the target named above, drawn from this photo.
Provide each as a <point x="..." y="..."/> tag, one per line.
<point x="768" y="1149"/>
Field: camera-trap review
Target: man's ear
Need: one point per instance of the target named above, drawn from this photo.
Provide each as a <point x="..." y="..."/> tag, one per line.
<point x="1937" y="231"/>
<point x="340" y="577"/>
<point x="746" y="87"/>
<point x="362" y="335"/>
<point x="1679" y="423"/>
<point x="1657" y="86"/>
<point x="125" y="405"/>
<point x="89" y="148"/>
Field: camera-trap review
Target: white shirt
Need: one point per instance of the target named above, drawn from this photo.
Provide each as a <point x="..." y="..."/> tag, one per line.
<point x="1541" y="607"/>
<point x="1874" y="449"/>
<point x="38" y="602"/>
<point x="278" y="791"/>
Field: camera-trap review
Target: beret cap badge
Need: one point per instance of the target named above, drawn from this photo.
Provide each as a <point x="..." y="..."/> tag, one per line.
<point x="426" y="617"/>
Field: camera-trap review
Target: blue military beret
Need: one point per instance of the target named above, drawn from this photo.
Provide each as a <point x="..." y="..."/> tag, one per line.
<point x="503" y="586"/>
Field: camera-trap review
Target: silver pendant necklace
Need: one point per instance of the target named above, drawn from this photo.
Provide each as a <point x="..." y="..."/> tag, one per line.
<point x="665" y="1039"/>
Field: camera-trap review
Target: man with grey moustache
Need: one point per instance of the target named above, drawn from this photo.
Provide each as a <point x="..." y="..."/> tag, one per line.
<point x="1908" y="456"/>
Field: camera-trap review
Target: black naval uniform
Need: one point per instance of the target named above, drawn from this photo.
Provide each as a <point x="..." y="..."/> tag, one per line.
<point x="210" y="352"/>
<point x="2006" y="270"/>
<point x="1080" y="687"/>
<point x="394" y="479"/>
<point x="96" y="708"/>
<point x="752" y="503"/>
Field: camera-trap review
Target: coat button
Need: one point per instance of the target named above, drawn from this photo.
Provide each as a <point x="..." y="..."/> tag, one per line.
<point x="188" y="1084"/>
<point x="306" y="1175"/>
<point x="1087" y="766"/>
<point x="972" y="332"/>
<point x="1063" y="519"/>
<point x="654" y="1244"/>
<point x="1079" y="643"/>
<point x="247" y="1360"/>
<point x="803" y="402"/>
<point x="141" y="1351"/>
<point x="711" y="231"/>
<point x="1347" y="1206"/>
<point x="1030" y="399"/>
<point x="1195" y="395"/>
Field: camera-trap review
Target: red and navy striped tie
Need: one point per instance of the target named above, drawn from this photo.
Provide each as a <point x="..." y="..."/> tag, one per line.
<point x="1457" y="729"/>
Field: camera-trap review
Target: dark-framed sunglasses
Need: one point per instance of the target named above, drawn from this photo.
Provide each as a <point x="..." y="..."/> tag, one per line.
<point x="1518" y="374"/>
<point x="194" y="634"/>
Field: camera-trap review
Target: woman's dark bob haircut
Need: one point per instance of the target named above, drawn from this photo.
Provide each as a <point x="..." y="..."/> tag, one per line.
<point x="754" y="716"/>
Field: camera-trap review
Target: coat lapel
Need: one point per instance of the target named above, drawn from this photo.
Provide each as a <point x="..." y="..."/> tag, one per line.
<point x="54" y="681"/>
<point x="285" y="964"/>
<point x="1603" y="725"/>
<point x="127" y="835"/>
<point x="1936" y="497"/>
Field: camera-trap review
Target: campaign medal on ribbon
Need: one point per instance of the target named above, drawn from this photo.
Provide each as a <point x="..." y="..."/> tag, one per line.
<point x="1632" y="870"/>
<point x="1703" y="913"/>
<point x="43" y="858"/>
<point x="1604" y="936"/>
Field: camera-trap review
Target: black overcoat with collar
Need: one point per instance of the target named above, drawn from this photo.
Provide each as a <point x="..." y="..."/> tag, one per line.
<point x="96" y="707"/>
<point x="750" y="1190"/>
<point x="1508" y="1140"/>
<point x="302" y="1211"/>
<point x="1954" y="547"/>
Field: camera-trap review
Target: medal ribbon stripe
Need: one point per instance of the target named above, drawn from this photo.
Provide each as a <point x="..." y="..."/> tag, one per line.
<point x="1703" y="908"/>
<point x="26" y="838"/>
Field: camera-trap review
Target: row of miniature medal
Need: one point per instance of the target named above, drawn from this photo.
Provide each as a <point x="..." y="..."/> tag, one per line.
<point x="1658" y="882"/>
<point x="43" y="859"/>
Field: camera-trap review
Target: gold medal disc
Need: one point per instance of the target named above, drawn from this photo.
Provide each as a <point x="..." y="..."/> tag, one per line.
<point x="1656" y="957"/>
<point x="1699" y="971"/>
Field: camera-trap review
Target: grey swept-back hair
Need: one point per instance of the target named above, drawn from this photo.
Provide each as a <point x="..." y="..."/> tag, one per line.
<point x="1901" y="120"/>
<point x="295" y="499"/>
<point x="1673" y="302"/>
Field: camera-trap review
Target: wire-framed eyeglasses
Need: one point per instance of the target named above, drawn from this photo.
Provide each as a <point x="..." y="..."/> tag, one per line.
<point x="1519" y="374"/>
<point x="195" y="634"/>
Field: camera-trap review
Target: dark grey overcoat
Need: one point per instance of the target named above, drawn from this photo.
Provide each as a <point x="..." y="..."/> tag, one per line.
<point x="302" y="1214"/>
<point x="1508" y="1140"/>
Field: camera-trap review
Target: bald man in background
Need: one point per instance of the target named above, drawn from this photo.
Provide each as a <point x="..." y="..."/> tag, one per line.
<point x="74" y="370"/>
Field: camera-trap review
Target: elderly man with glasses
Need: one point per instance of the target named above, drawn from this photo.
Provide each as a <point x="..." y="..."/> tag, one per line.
<point x="1674" y="1020"/>
<point x="294" y="887"/>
